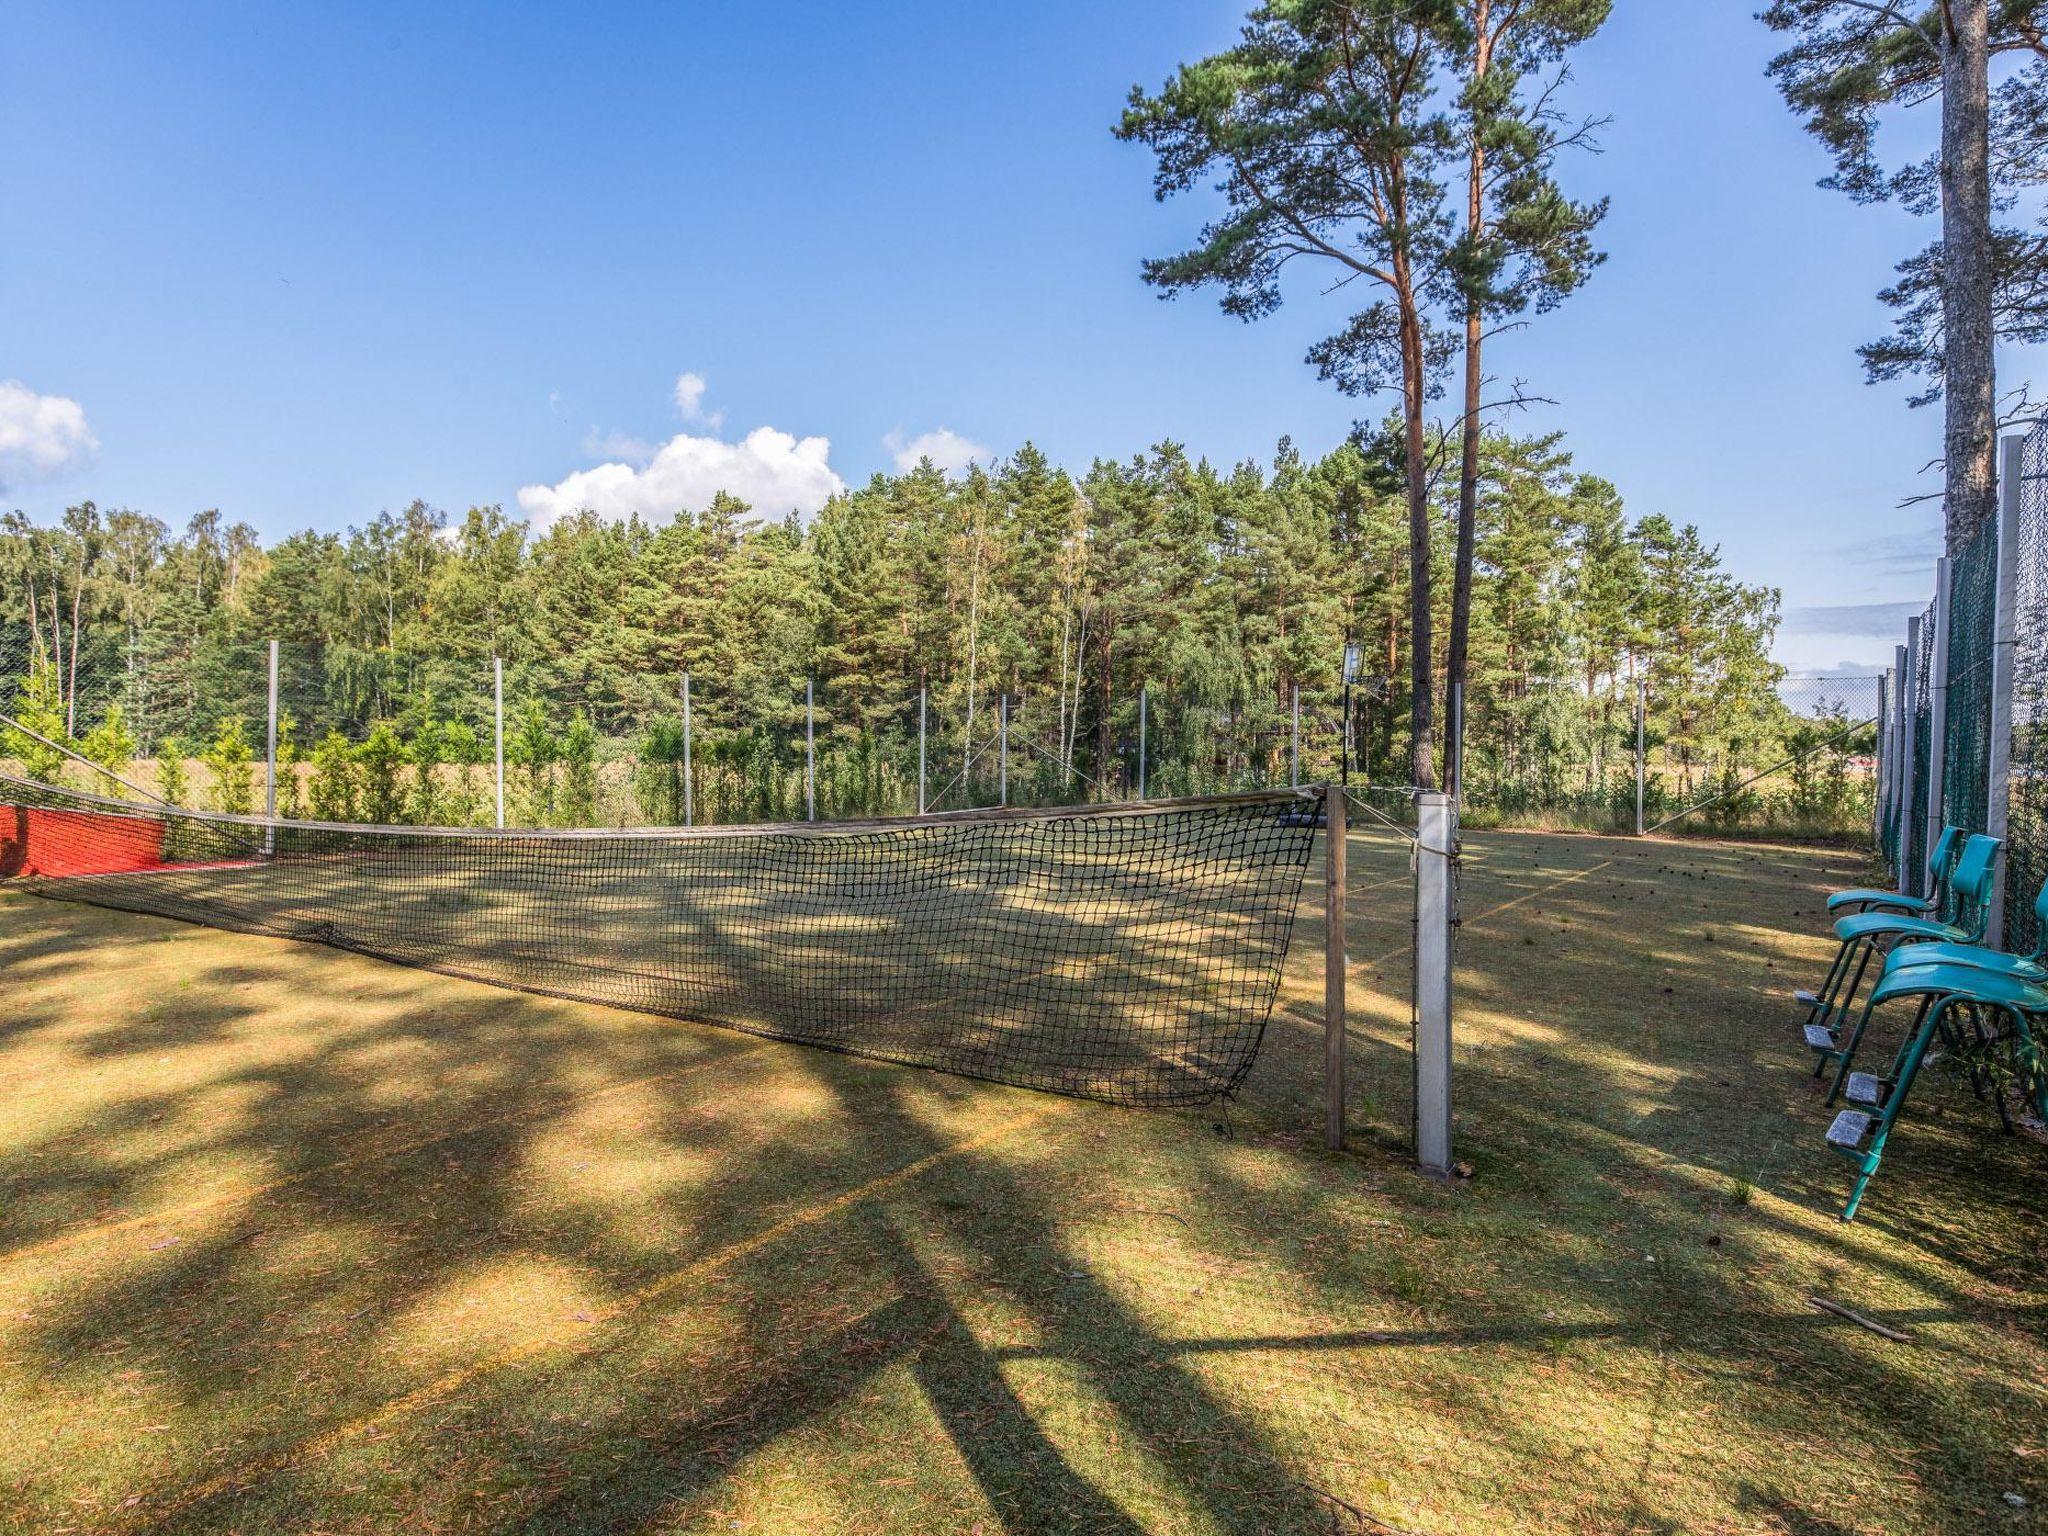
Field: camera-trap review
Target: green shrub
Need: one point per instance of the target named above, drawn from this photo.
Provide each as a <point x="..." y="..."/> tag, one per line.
<point x="426" y="750"/>
<point x="110" y="747"/>
<point x="170" y="771"/>
<point x="290" y="792"/>
<point x="40" y="707"/>
<point x="378" y="760"/>
<point x="333" y="793"/>
<point x="230" y="761"/>
<point x="579" y="774"/>
<point x="465" y="749"/>
<point x="534" y="750"/>
<point x="658" y="779"/>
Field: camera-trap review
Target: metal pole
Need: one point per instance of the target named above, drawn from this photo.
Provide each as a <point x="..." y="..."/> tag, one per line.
<point x="270" y="758"/>
<point x="1344" y="746"/>
<point x="1336" y="963"/>
<point x="2004" y="645"/>
<point x="810" y="757"/>
<point x="920" y="751"/>
<point x="498" y="729"/>
<point x="1642" y="751"/>
<point x="1003" y="749"/>
<point x="1901" y="734"/>
<point x="1937" y="734"/>
<point x="1294" y="744"/>
<point x="1910" y="862"/>
<point x="1436" y="843"/>
<point x="689" y="790"/>
<point x="1142" y="692"/>
<point x="1883" y="762"/>
<point x="1903" y="756"/>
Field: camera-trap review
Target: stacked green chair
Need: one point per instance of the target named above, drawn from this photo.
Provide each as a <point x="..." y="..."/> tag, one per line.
<point x="2030" y="968"/>
<point x="1938" y="902"/>
<point x="1900" y="938"/>
<point x="1944" y="989"/>
<point x="1843" y="903"/>
<point x="1863" y="935"/>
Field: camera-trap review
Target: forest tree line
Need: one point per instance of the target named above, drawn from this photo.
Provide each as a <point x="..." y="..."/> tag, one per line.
<point x="1218" y="594"/>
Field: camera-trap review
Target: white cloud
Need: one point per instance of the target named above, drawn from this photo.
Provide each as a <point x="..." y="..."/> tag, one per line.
<point x="690" y="395"/>
<point x="40" y="434"/>
<point x="947" y="450"/>
<point x="771" y="471"/>
<point x="618" y="445"/>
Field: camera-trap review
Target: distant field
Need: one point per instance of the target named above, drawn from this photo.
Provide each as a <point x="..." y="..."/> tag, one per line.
<point x="296" y="1240"/>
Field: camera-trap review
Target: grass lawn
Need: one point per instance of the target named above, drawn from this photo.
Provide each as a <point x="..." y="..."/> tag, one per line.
<point x="292" y="1240"/>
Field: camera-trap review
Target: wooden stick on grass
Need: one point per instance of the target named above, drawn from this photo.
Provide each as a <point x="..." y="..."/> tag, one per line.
<point x="1860" y="1320"/>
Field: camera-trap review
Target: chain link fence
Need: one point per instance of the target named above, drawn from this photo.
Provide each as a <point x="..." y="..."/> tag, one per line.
<point x="2026" y="780"/>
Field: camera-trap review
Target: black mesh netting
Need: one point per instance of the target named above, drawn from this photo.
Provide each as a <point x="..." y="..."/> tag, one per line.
<point x="2026" y="849"/>
<point x="1922" y="706"/>
<point x="1124" y="953"/>
<point x="1972" y="623"/>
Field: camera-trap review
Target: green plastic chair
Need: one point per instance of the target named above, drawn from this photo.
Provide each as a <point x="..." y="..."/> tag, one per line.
<point x="1935" y="901"/>
<point x="1865" y="934"/>
<point x="1861" y="1133"/>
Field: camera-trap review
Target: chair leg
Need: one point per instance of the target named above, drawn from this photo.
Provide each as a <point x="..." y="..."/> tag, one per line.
<point x="2028" y="1062"/>
<point x="1847" y="1000"/>
<point x="1894" y="1102"/>
<point x="1845" y="1053"/>
<point x="1819" y="1009"/>
<point x="1832" y="1009"/>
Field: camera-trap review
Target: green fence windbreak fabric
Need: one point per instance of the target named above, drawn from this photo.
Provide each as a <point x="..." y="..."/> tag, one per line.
<point x="1914" y="856"/>
<point x="1966" y="755"/>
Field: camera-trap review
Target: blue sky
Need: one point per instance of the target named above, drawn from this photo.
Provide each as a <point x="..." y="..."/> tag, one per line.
<point x="305" y="262"/>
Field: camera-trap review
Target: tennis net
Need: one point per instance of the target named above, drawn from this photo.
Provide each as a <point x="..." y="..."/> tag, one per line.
<point x="1129" y="953"/>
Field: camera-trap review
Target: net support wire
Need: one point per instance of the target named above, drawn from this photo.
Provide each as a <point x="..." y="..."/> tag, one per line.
<point x="106" y="773"/>
<point x="1778" y="767"/>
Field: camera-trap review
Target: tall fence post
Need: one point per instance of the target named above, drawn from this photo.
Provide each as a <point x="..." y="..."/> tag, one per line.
<point x="1142" y="699"/>
<point x="1003" y="749"/>
<point x="920" y="751"/>
<point x="1882" y="749"/>
<point x="1642" y="747"/>
<point x="1902" y="725"/>
<point x="1436" y="845"/>
<point x="2004" y="644"/>
<point x="1909" y="861"/>
<point x="1294" y="744"/>
<point x="810" y="756"/>
<point x="498" y="730"/>
<point x="270" y="758"/>
<point x="1336" y="964"/>
<point x="689" y="799"/>
<point x="1937" y="687"/>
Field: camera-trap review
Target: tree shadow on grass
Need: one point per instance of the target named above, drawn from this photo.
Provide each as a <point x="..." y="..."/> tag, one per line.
<point x="645" y="1330"/>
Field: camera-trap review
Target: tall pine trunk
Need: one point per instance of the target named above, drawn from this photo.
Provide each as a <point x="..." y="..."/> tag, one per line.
<point x="1458" y="643"/>
<point x="1421" y="672"/>
<point x="1970" y="381"/>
